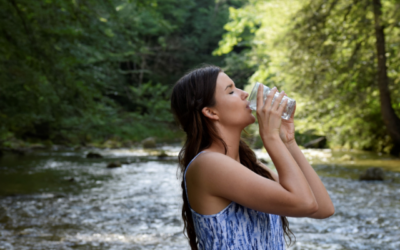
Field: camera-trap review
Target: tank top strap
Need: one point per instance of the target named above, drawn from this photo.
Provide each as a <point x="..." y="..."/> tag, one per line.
<point x="184" y="176"/>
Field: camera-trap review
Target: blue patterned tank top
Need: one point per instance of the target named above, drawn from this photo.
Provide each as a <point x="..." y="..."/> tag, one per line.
<point x="237" y="227"/>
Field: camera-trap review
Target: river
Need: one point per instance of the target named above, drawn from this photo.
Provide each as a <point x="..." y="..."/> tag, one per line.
<point x="59" y="199"/>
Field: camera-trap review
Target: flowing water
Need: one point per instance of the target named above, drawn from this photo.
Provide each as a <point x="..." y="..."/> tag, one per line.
<point x="62" y="200"/>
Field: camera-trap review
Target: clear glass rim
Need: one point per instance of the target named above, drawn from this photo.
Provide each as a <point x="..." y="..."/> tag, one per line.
<point x="253" y="94"/>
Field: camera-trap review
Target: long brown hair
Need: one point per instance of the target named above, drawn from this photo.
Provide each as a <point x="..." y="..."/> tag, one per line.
<point x="190" y="95"/>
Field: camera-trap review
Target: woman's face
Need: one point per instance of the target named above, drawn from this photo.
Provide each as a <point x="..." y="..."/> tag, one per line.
<point x="231" y="104"/>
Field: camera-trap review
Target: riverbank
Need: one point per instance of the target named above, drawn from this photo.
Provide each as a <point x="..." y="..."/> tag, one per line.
<point x="13" y="145"/>
<point x="153" y="147"/>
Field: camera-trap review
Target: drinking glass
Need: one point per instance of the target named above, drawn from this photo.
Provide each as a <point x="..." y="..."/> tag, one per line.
<point x="253" y="100"/>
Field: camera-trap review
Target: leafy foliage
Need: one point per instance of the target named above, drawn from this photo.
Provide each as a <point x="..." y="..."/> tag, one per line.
<point x="323" y="55"/>
<point x="74" y="70"/>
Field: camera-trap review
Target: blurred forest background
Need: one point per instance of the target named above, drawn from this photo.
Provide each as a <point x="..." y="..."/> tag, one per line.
<point x="84" y="72"/>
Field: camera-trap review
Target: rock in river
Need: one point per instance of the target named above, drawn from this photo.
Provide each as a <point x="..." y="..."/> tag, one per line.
<point x="149" y="143"/>
<point x="93" y="155"/>
<point x="72" y="179"/>
<point x="162" y="155"/>
<point x="372" y="174"/>
<point x="115" y="164"/>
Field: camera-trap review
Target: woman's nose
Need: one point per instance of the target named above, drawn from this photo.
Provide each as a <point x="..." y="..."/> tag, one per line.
<point x="245" y="94"/>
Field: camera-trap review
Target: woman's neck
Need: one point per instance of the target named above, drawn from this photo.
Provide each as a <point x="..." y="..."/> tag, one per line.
<point x="232" y="140"/>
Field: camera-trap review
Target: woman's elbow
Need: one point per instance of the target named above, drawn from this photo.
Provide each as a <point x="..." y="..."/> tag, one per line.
<point x="313" y="207"/>
<point x="323" y="214"/>
<point x="328" y="213"/>
<point x="309" y="208"/>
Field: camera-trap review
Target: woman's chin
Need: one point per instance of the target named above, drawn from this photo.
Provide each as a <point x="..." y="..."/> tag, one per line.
<point x="252" y="119"/>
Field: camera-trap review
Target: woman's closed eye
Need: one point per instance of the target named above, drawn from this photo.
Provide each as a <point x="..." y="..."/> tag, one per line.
<point x="231" y="92"/>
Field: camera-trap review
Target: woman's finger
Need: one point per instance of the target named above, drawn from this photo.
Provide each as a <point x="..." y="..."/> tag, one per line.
<point x="260" y="94"/>
<point x="294" y="110"/>
<point x="269" y="99"/>
<point x="282" y="107"/>
<point x="277" y="101"/>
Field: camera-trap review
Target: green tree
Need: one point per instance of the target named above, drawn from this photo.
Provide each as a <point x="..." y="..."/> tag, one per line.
<point x="324" y="55"/>
<point x="51" y="74"/>
<point x="73" y="70"/>
<point x="390" y="118"/>
<point x="333" y="53"/>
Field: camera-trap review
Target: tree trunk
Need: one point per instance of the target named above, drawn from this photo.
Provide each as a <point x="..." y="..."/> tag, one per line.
<point x="390" y="118"/>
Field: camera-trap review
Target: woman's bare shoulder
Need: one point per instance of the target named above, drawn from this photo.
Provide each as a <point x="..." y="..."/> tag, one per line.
<point x="209" y="159"/>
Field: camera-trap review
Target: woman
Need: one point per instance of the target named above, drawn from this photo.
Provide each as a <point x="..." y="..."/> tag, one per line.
<point x="231" y="200"/>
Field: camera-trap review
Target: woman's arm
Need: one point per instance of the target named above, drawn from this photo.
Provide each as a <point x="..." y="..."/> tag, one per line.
<point x="287" y="135"/>
<point x="290" y="175"/>
<point x="219" y="175"/>
<point x="273" y="174"/>
<point x="325" y="205"/>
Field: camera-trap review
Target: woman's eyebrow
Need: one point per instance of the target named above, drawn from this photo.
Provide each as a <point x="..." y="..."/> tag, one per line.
<point x="229" y="86"/>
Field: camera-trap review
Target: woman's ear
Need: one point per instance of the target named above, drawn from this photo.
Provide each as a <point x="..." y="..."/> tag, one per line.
<point x="210" y="113"/>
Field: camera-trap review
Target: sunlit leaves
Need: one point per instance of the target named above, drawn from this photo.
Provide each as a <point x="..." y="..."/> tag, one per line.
<point x="322" y="53"/>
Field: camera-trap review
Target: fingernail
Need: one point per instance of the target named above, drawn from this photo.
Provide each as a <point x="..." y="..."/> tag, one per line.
<point x="274" y="88"/>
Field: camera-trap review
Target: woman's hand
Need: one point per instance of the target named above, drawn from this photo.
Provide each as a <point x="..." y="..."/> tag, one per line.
<point x="269" y="116"/>
<point x="286" y="131"/>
